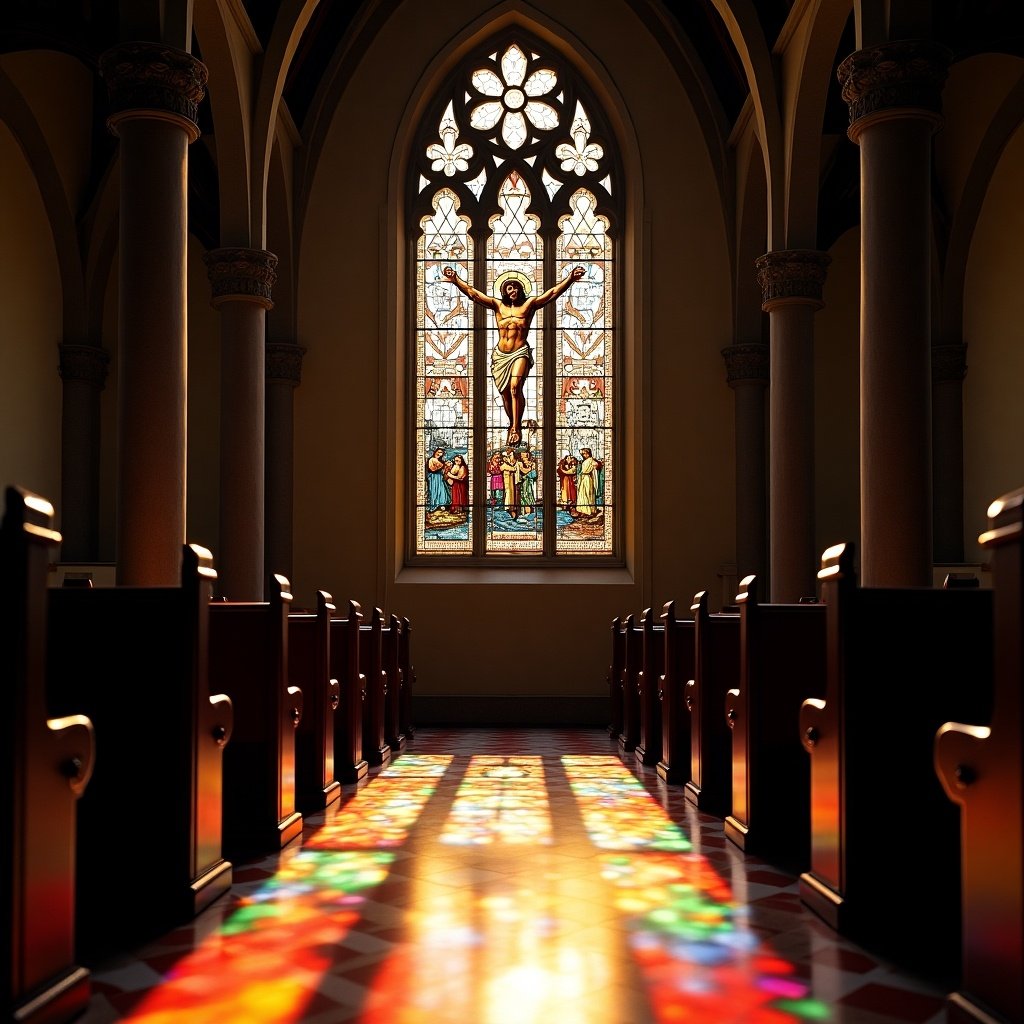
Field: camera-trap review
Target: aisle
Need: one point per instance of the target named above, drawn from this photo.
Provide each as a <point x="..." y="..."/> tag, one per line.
<point x="509" y="877"/>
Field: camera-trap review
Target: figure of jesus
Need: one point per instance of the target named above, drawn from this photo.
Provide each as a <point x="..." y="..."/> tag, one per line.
<point x="512" y="357"/>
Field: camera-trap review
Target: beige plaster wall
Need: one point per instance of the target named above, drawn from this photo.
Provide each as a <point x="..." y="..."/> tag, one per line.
<point x="994" y="333"/>
<point x="515" y="632"/>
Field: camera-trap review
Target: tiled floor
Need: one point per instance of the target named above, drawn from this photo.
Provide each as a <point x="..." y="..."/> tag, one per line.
<point x="509" y="877"/>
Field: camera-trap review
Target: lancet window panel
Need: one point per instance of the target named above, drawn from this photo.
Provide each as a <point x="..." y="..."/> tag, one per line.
<point x="514" y="199"/>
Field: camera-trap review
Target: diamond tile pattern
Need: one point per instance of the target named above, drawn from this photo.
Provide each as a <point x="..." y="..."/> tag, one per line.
<point x="509" y="876"/>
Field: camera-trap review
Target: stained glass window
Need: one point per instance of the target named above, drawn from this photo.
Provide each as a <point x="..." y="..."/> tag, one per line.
<point x="515" y="213"/>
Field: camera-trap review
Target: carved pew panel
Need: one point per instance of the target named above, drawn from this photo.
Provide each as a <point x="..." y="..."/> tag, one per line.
<point x="632" y="663"/>
<point x="782" y="663"/>
<point x="408" y="681"/>
<point x="392" y="641"/>
<point x="309" y="665"/>
<point x="885" y="841"/>
<point x="349" y="763"/>
<point x="136" y="659"/>
<point x="716" y="666"/>
<point x="47" y="766"/>
<point x="249" y="660"/>
<point x="614" y="680"/>
<point x="371" y="663"/>
<point x="982" y="771"/>
<point x="678" y="635"/>
<point x="648" y="748"/>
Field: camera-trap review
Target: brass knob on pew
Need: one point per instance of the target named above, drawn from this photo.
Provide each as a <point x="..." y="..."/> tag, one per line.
<point x="220" y="735"/>
<point x="964" y="775"/>
<point x="812" y="736"/>
<point x="730" y="716"/>
<point x="71" y="768"/>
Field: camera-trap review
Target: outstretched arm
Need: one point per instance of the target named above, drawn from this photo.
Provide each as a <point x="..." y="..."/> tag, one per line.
<point x="466" y="289"/>
<point x="555" y="290"/>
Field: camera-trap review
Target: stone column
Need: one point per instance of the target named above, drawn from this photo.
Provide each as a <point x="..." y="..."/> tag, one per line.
<point x="241" y="281"/>
<point x="83" y="369"/>
<point x="154" y="94"/>
<point x="747" y="374"/>
<point x="791" y="284"/>
<point x="949" y="368"/>
<point x="893" y="92"/>
<point x="284" y="373"/>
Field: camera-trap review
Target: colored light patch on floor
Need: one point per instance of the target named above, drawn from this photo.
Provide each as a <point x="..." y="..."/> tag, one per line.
<point x="381" y="814"/>
<point x="500" y="800"/>
<point x="688" y="935"/>
<point x="618" y="813"/>
<point x="264" y="963"/>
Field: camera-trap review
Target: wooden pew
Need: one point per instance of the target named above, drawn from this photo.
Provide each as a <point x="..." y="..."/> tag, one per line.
<point x="781" y="663"/>
<point x="392" y="642"/>
<point x="249" y="660"/>
<point x="678" y="636"/>
<point x="349" y="763"/>
<point x="614" y="679"/>
<point x="408" y="681"/>
<point x="648" y="748"/>
<point x="885" y="841"/>
<point x="149" y="848"/>
<point x="309" y="666"/>
<point x="47" y="764"/>
<point x="716" y="667"/>
<point x="632" y="663"/>
<point x="371" y="664"/>
<point x="981" y="768"/>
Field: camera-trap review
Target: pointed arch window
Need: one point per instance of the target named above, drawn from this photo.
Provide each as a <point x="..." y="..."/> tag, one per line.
<point x="514" y="187"/>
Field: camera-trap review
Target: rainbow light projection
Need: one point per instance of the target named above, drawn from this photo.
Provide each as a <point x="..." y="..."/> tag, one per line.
<point x="500" y="800"/>
<point x="263" y="964"/>
<point x="700" y="960"/>
<point x="491" y="933"/>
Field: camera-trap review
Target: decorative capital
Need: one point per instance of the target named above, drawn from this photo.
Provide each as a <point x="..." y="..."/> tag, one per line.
<point x="746" y="364"/>
<point x="237" y="273"/>
<point x="906" y="75"/>
<point x="789" y="276"/>
<point x="949" y="363"/>
<point x="152" y="80"/>
<point x="284" y="362"/>
<point x="85" y="363"/>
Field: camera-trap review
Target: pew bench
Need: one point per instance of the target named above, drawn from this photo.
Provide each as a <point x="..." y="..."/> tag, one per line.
<point x="47" y="765"/>
<point x="349" y="763"/>
<point x="614" y="677"/>
<point x="885" y="840"/>
<point x="371" y="663"/>
<point x="716" y="647"/>
<point x="677" y="659"/>
<point x="309" y="666"/>
<point x="632" y="663"/>
<point x="648" y="748"/>
<point x="249" y="661"/>
<point x="149" y="850"/>
<point x="979" y="763"/>
<point x="781" y="664"/>
<point x="408" y="681"/>
<point x="392" y="644"/>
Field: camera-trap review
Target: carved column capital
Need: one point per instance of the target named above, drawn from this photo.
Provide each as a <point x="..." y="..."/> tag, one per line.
<point x="746" y="364"/>
<point x="949" y="363"/>
<point x="151" y="80"/>
<point x="238" y="273"/>
<point x="85" y="363"/>
<point x="903" y="78"/>
<point x="284" y="362"/>
<point x="791" y="277"/>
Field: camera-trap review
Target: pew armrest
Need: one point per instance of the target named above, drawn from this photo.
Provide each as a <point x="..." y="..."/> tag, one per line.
<point x="295" y="699"/>
<point x="957" y="753"/>
<point x="76" y="749"/>
<point x="223" y="718"/>
<point x="812" y="718"/>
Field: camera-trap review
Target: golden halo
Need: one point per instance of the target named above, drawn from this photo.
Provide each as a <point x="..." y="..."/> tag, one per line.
<point x="511" y="275"/>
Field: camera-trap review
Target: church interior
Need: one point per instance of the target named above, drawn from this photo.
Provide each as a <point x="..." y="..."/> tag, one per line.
<point x="608" y="414"/>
